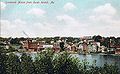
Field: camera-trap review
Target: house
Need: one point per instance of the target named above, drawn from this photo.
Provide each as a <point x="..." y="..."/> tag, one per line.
<point x="117" y="51"/>
<point x="56" y="47"/>
<point x="85" y="47"/>
<point x="103" y="48"/>
<point x="30" y="45"/>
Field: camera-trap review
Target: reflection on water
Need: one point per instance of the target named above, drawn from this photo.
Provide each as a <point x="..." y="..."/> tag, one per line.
<point x="100" y="59"/>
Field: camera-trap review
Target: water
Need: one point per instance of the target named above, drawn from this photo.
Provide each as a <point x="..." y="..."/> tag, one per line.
<point x="100" y="59"/>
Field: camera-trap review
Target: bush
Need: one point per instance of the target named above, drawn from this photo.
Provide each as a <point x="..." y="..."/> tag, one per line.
<point x="66" y="64"/>
<point x="43" y="63"/>
<point x="48" y="62"/>
<point x="3" y="59"/>
<point x="27" y="66"/>
<point x="13" y="64"/>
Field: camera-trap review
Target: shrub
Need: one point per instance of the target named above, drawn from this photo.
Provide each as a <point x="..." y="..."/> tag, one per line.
<point x="64" y="63"/>
<point x="48" y="62"/>
<point x="43" y="63"/>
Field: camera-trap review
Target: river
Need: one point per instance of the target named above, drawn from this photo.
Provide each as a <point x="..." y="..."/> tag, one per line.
<point x="100" y="59"/>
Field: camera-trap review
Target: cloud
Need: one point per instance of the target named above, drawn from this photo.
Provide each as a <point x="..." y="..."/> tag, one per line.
<point x="12" y="28"/>
<point x="106" y="9"/>
<point x="69" y="6"/>
<point x="15" y="28"/>
<point x="36" y="12"/>
<point x="3" y="5"/>
<point x="103" y="20"/>
<point x="68" y="20"/>
<point x="42" y="29"/>
<point x="69" y="23"/>
<point x="71" y="26"/>
<point x="103" y="13"/>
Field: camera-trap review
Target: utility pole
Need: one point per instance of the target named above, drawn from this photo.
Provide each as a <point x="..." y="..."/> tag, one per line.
<point x="25" y="34"/>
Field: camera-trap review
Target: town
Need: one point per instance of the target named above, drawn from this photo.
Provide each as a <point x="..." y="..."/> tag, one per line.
<point x="80" y="45"/>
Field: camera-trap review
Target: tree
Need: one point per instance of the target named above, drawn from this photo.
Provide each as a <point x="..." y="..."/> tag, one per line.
<point x="12" y="49"/>
<point x="3" y="58"/>
<point x="106" y="42"/>
<point x="56" y="38"/>
<point x="27" y="66"/>
<point x="62" y="45"/>
<point x="70" y="39"/>
<point x="66" y="64"/>
<point x="97" y="38"/>
<point x="48" y="40"/>
<point x="15" y="41"/>
<point x="48" y="62"/>
<point x="4" y="50"/>
<point x="43" y="63"/>
<point x="13" y="64"/>
<point x="2" y="39"/>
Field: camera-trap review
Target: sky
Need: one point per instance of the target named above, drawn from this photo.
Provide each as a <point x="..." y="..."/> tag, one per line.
<point x="74" y="18"/>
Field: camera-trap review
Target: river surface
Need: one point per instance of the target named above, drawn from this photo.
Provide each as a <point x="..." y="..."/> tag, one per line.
<point x="100" y="59"/>
<point x="91" y="58"/>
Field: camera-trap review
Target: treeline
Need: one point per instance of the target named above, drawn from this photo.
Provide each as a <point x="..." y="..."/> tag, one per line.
<point x="48" y="62"/>
<point x="47" y="40"/>
<point x="105" y="41"/>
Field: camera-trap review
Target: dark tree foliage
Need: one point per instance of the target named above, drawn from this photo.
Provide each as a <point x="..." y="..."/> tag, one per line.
<point x="4" y="50"/>
<point x="47" y="40"/>
<point x="97" y="38"/>
<point x="3" y="58"/>
<point x="15" y="41"/>
<point x="22" y="39"/>
<point x="13" y="64"/>
<point x="2" y="39"/>
<point x="27" y="66"/>
<point x="65" y="64"/>
<point x="62" y="46"/>
<point x="43" y="63"/>
<point x="117" y="40"/>
<point x="106" y="42"/>
<point x="48" y="62"/>
<point x="56" y="38"/>
<point x="70" y="39"/>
